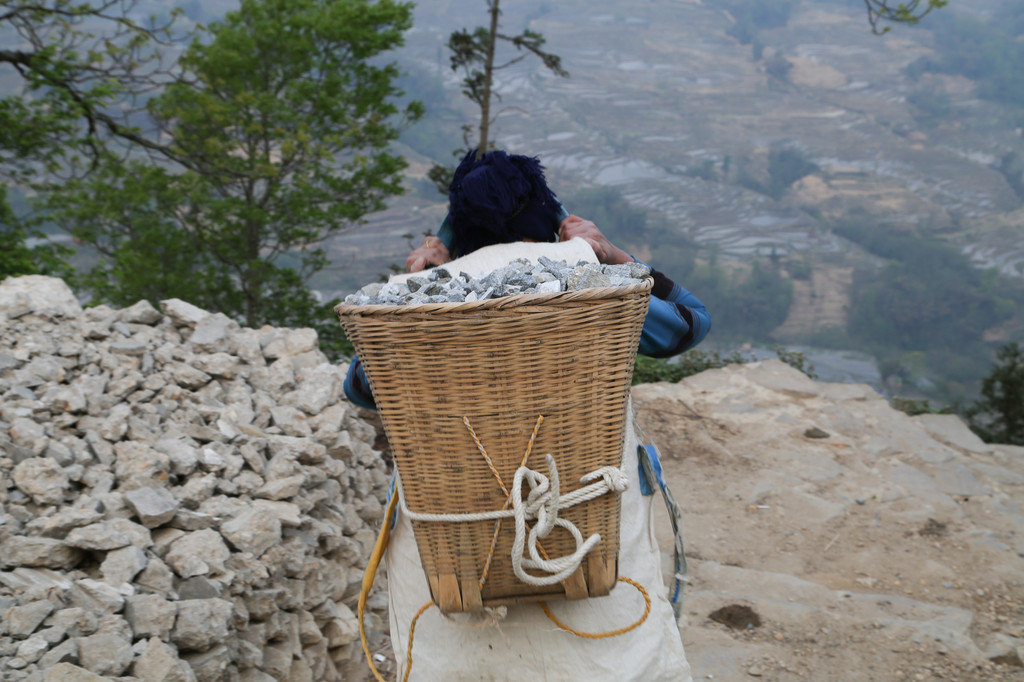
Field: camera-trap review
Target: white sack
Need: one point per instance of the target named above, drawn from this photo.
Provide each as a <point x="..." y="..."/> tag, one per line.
<point x="498" y="255"/>
<point x="526" y="645"/>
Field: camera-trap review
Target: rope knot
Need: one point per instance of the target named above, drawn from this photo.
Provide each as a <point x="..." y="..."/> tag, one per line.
<point x="613" y="477"/>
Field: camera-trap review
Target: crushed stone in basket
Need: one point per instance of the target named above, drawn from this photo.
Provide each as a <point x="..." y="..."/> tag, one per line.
<point x="521" y="276"/>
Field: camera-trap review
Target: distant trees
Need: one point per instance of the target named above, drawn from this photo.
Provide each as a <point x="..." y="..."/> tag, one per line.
<point x="989" y="52"/>
<point x="998" y="416"/>
<point x="475" y="54"/>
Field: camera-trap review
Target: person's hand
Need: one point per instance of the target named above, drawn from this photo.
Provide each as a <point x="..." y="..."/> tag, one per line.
<point x="432" y="252"/>
<point x="606" y="252"/>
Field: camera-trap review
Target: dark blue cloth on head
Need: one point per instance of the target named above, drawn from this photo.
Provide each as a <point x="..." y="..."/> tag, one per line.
<point x="497" y="198"/>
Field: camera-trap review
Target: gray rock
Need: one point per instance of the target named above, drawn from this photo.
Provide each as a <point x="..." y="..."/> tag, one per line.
<point x="75" y="621"/>
<point x="189" y="377"/>
<point x="132" y="348"/>
<point x="70" y="399"/>
<point x="66" y="672"/>
<point x="32" y="649"/>
<point x="202" y="624"/>
<point x="22" y="621"/>
<point x="95" y="596"/>
<point x="36" y="294"/>
<point x="152" y="506"/>
<point x="23" y="579"/>
<point x="64" y="652"/>
<point x="319" y="387"/>
<point x="183" y="314"/>
<point x="156" y="577"/>
<point x="160" y="663"/>
<point x="140" y="313"/>
<point x="218" y="365"/>
<point x="253" y="531"/>
<point x="122" y="565"/>
<point x="202" y="552"/>
<point x="29" y="434"/>
<point x="37" y="553"/>
<point x="150" y="615"/>
<point x="291" y="420"/>
<point x="97" y="537"/>
<point x="191" y="520"/>
<point x="198" y="587"/>
<point x="181" y="452"/>
<point x="105" y="654"/>
<point x="140" y="466"/>
<point x="284" y="343"/>
<point x="288" y="513"/>
<point x="115" y="425"/>
<point x="210" y="666"/>
<point x="42" y="479"/>
<point x="214" y="334"/>
<point x="282" y="488"/>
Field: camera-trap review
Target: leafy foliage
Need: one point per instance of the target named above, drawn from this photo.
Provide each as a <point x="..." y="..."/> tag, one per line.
<point x="79" y="70"/>
<point x="276" y="136"/>
<point x="651" y="370"/>
<point x="881" y="11"/>
<point x="998" y="416"/>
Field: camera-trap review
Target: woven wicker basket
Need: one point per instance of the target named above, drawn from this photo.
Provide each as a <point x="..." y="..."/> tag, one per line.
<point x="500" y="364"/>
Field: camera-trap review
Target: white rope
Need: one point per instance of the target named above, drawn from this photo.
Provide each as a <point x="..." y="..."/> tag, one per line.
<point x="542" y="503"/>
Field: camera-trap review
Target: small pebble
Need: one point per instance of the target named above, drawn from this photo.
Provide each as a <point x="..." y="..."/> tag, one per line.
<point x="861" y="500"/>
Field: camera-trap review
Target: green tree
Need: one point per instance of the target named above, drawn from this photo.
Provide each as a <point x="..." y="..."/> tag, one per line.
<point x="77" y="69"/>
<point x="278" y="134"/>
<point x="999" y="416"/>
<point x="475" y="54"/>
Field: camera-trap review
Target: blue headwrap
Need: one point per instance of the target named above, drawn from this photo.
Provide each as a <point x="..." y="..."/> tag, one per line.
<point x="496" y="198"/>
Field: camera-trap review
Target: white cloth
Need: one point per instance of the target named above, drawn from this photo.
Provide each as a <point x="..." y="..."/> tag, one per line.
<point x="497" y="256"/>
<point x="525" y="644"/>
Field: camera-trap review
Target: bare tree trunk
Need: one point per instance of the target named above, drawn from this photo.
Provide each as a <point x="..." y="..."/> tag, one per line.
<point x="485" y="104"/>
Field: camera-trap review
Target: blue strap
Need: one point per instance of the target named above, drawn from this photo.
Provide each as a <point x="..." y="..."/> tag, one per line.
<point x="650" y="471"/>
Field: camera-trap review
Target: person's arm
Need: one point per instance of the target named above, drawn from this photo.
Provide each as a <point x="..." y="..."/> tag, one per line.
<point x="676" y="320"/>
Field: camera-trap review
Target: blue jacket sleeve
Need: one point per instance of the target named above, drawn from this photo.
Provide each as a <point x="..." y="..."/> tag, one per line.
<point x="357" y="387"/>
<point x="676" y="320"/>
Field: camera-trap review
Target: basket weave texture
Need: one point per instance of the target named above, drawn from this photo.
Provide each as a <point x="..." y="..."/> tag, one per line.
<point x="501" y="363"/>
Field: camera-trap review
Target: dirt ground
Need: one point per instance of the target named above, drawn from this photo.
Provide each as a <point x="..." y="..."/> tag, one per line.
<point x="808" y="566"/>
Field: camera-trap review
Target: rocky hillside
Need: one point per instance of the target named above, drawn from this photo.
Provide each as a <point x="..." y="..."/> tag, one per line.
<point x="831" y="537"/>
<point x="180" y="498"/>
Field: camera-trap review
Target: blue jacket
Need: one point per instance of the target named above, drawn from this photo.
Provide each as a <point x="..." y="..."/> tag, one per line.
<point x="676" y="322"/>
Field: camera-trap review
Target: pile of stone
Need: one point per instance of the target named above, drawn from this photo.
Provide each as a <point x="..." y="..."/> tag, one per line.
<point x="521" y="276"/>
<point x="180" y="498"/>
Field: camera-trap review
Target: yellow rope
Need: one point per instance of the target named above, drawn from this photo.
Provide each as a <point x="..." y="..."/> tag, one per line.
<point x="368" y="575"/>
<point x="613" y="633"/>
<point x="412" y="633"/>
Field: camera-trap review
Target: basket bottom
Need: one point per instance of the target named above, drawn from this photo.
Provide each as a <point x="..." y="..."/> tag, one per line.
<point x="453" y="595"/>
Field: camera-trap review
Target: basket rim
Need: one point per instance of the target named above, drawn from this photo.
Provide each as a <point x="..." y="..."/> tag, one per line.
<point x="505" y="302"/>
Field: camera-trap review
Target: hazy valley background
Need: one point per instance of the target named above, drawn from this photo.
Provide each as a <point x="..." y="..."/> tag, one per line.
<point x="855" y="196"/>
